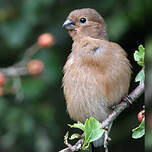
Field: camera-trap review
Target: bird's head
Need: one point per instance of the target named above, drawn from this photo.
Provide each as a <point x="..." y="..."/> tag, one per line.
<point x="85" y="22"/>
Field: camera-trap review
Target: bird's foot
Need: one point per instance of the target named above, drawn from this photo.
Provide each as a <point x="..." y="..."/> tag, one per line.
<point x="128" y="100"/>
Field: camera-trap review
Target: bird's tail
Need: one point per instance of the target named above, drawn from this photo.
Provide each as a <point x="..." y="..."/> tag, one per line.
<point x="98" y="149"/>
<point x="100" y="145"/>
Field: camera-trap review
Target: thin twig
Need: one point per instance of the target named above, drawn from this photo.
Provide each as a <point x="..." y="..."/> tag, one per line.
<point x="135" y="94"/>
<point x="20" y="69"/>
<point x="14" y="71"/>
<point x="29" y="53"/>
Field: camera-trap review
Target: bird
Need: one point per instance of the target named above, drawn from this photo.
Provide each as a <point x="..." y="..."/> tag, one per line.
<point x="97" y="72"/>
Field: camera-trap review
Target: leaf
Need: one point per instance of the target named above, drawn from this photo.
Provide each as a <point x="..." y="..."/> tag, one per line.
<point x="141" y="49"/>
<point x="137" y="56"/>
<point x="139" y="131"/>
<point x="140" y="55"/>
<point x="140" y="76"/>
<point x="66" y="138"/>
<point x="74" y="136"/>
<point x="78" y="125"/>
<point x="93" y="130"/>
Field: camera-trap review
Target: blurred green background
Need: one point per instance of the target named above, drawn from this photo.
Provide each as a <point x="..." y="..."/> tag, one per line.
<point x="39" y="122"/>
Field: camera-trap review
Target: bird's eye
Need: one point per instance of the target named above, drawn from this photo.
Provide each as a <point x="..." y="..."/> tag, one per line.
<point x="83" y="20"/>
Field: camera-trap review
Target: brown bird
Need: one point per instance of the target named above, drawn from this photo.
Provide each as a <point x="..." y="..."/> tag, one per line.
<point x="97" y="72"/>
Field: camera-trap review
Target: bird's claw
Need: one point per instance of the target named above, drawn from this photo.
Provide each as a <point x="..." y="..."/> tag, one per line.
<point x="128" y="100"/>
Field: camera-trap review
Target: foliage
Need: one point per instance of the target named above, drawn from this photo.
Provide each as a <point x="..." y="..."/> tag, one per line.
<point x="78" y="125"/>
<point x="92" y="131"/>
<point x="139" y="131"/>
<point x="139" y="56"/>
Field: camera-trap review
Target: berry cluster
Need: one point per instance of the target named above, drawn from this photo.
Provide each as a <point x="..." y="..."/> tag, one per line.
<point x="27" y="66"/>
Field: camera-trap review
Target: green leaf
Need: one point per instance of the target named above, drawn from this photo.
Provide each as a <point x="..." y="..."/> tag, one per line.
<point x="140" y="76"/>
<point x="78" y="125"/>
<point x="137" y="56"/>
<point x="140" y="55"/>
<point x="66" y="138"/>
<point x="93" y="130"/>
<point x="141" y="49"/>
<point x="74" y="136"/>
<point x="139" y="131"/>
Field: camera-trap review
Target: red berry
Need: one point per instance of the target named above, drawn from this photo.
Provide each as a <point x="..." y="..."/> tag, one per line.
<point x="35" y="67"/>
<point x="2" y="79"/>
<point x="45" y="40"/>
<point x="1" y="91"/>
<point x="141" y="115"/>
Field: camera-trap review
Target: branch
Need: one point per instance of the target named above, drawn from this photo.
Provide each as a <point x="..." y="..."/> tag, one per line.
<point x="29" y="53"/>
<point x="124" y="104"/>
<point x="126" y="101"/>
<point x="14" y="71"/>
<point x="20" y="68"/>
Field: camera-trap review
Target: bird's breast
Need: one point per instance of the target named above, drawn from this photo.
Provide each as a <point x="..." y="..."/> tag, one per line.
<point x="82" y="92"/>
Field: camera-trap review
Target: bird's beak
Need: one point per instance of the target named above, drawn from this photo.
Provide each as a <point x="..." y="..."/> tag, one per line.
<point x="68" y="24"/>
